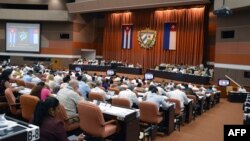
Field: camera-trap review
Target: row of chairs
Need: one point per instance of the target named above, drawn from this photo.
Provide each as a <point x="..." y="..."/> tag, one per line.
<point x="148" y="112"/>
<point x="25" y="109"/>
<point x="20" y="82"/>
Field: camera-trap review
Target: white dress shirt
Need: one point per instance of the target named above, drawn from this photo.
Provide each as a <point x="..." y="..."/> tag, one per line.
<point x="130" y="95"/>
<point x="180" y="95"/>
<point x="100" y="91"/>
<point x="58" y="80"/>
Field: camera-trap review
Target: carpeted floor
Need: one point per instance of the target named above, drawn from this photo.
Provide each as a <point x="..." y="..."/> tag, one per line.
<point x="209" y="126"/>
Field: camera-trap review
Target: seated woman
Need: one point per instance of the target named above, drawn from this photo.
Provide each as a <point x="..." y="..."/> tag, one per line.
<point x="5" y="83"/>
<point x="41" y="91"/>
<point x="51" y="128"/>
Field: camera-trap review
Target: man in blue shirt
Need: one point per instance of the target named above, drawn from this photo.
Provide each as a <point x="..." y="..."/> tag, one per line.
<point x="28" y="77"/>
<point x="157" y="99"/>
<point x="84" y="88"/>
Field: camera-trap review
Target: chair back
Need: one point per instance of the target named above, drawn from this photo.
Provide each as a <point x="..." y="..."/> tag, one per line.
<point x="177" y="106"/>
<point x="28" y="104"/>
<point x="193" y="98"/>
<point x="30" y="85"/>
<point x="3" y="103"/>
<point x="20" y="82"/>
<point x="91" y="119"/>
<point x="62" y="115"/>
<point x="121" y="102"/>
<point x="96" y="96"/>
<point x="11" y="99"/>
<point x="149" y="113"/>
<point x="114" y="89"/>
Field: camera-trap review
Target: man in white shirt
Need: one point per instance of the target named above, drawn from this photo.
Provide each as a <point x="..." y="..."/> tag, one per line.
<point x="58" y="78"/>
<point x="99" y="90"/>
<point x="161" y="91"/>
<point x="179" y="95"/>
<point x="242" y="90"/>
<point x="69" y="97"/>
<point x="130" y="95"/>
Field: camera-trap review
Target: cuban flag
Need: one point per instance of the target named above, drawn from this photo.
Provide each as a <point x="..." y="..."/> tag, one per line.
<point x="169" y="41"/>
<point x="127" y="36"/>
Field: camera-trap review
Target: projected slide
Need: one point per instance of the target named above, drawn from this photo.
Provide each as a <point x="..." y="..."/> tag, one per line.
<point x="23" y="37"/>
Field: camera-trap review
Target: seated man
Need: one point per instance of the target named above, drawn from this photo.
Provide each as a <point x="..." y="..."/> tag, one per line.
<point x="84" y="88"/>
<point x="100" y="90"/>
<point x="129" y="94"/>
<point x="153" y="97"/>
<point x="179" y="95"/>
<point x="28" y="77"/>
<point x="69" y="97"/>
<point x="242" y="89"/>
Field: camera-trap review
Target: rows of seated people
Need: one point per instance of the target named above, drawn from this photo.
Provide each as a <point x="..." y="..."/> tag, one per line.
<point x="84" y="61"/>
<point x="72" y="88"/>
<point x="199" y="70"/>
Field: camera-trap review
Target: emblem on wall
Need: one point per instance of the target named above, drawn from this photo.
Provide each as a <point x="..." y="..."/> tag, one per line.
<point x="147" y="38"/>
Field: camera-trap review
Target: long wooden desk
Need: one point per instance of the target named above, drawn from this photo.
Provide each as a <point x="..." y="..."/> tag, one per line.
<point x="189" y="111"/>
<point x="127" y="120"/>
<point x="180" y="77"/>
<point x="118" y="69"/>
<point x="168" y="120"/>
<point x="121" y="69"/>
<point x="240" y="97"/>
<point x="73" y="67"/>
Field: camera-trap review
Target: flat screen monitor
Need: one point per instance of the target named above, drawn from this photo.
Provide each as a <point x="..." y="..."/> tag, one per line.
<point x="148" y="76"/>
<point x="78" y="69"/>
<point x="223" y="82"/>
<point x="23" y="37"/>
<point x="111" y="72"/>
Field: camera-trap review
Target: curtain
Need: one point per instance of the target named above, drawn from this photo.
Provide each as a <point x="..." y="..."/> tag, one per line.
<point x="189" y="37"/>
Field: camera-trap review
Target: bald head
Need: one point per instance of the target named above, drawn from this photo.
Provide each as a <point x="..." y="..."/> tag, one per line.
<point x="74" y="84"/>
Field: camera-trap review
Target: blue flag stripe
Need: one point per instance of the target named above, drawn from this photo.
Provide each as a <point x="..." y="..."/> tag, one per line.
<point x="166" y="36"/>
<point x="127" y="37"/>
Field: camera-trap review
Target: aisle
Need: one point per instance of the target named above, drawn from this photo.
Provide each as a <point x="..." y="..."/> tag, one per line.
<point x="209" y="126"/>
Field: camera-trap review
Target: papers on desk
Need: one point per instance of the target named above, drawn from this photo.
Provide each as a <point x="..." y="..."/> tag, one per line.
<point x="13" y="85"/>
<point x="73" y="138"/>
<point x="111" y="93"/>
<point x="141" y="94"/>
<point x="8" y="123"/>
<point x="25" y="91"/>
<point x="140" y="99"/>
<point x="208" y="95"/>
<point x="200" y="97"/>
<point x="189" y="100"/>
<point x="165" y="97"/>
<point x="115" y="111"/>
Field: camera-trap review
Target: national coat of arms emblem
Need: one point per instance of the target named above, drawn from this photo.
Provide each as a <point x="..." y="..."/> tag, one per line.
<point x="147" y="38"/>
